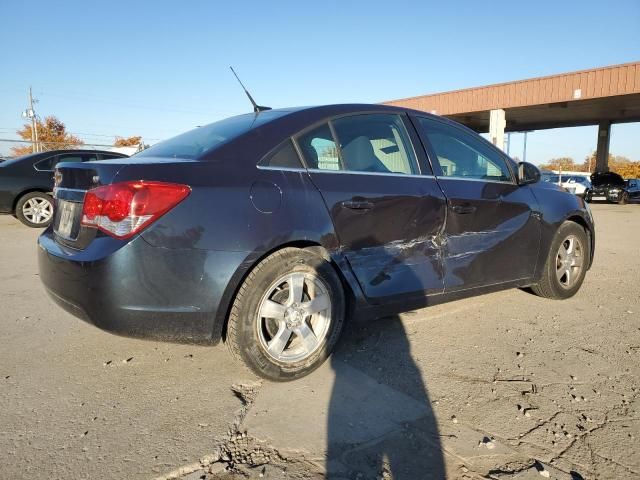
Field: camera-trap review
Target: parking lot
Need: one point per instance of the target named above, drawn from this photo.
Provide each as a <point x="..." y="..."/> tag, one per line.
<point x="500" y="386"/>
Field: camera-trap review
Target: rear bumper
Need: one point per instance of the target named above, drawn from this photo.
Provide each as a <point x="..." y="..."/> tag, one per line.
<point x="138" y="290"/>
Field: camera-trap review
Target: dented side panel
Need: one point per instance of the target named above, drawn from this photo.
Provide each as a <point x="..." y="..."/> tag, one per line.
<point x="496" y="239"/>
<point x="393" y="247"/>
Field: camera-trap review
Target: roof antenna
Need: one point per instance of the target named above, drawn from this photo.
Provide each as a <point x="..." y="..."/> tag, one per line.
<point x="256" y="108"/>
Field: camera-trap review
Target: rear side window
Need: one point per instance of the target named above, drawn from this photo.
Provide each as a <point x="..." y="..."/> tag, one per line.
<point x="285" y="156"/>
<point x="320" y="149"/>
<point x="370" y="143"/>
<point x="375" y="143"/>
<point x="463" y="155"/>
<point x="49" y="164"/>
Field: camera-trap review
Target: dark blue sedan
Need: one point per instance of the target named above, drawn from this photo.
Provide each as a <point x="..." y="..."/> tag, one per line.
<point x="265" y="230"/>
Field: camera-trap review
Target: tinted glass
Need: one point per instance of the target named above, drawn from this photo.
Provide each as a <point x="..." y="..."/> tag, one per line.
<point x="195" y="143"/>
<point x="88" y="157"/>
<point x="464" y="155"/>
<point x="51" y="162"/>
<point x="284" y="157"/>
<point x="48" y="164"/>
<point x="319" y="149"/>
<point x="376" y="143"/>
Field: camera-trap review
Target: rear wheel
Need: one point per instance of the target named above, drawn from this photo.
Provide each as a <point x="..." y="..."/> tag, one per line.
<point x="287" y="315"/>
<point x="35" y="209"/>
<point x="566" y="264"/>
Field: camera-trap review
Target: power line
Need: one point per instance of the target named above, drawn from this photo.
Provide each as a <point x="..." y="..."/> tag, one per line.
<point x="138" y="106"/>
<point x="80" y="145"/>
<point x="3" y="129"/>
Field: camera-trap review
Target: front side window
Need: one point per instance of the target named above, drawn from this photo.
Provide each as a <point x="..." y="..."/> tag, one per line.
<point x="461" y="154"/>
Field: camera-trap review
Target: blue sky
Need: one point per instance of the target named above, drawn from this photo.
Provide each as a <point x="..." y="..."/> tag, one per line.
<point x="159" y="68"/>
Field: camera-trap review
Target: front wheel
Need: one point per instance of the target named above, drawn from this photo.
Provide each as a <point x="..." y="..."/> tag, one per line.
<point x="35" y="209"/>
<point x="287" y="315"/>
<point x="567" y="263"/>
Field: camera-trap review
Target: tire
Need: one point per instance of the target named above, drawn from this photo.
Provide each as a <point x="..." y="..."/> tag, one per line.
<point x="623" y="199"/>
<point x="303" y="323"/>
<point x="567" y="263"/>
<point x="35" y="209"/>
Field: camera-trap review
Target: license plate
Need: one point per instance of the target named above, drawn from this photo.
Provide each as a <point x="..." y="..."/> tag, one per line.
<point x="598" y="198"/>
<point x="67" y="216"/>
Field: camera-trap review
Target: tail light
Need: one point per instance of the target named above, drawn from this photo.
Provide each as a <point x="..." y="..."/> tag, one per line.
<point x="124" y="209"/>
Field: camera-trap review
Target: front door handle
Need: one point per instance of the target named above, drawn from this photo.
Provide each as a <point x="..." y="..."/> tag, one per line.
<point x="357" y="204"/>
<point x="463" y="209"/>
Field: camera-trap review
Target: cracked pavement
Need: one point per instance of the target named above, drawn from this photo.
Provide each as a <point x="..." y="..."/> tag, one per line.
<point x="506" y="385"/>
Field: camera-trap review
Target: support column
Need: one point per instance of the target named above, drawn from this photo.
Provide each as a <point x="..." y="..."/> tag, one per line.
<point x="602" y="153"/>
<point x="497" y="124"/>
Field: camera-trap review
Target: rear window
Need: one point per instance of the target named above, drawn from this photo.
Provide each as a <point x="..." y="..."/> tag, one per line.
<point x="285" y="156"/>
<point x="195" y="143"/>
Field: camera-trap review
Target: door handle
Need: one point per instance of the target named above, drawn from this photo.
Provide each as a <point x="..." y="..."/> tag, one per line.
<point x="357" y="204"/>
<point x="463" y="209"/>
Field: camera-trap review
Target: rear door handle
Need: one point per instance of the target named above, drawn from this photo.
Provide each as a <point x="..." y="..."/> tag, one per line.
<point x="463" y="209"/>
<point x="357" y="204"/>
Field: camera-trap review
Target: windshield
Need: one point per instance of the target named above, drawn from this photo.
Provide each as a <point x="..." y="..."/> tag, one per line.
<point x="195" y="143"/>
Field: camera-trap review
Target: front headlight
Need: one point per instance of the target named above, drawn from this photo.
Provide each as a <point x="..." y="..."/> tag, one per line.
<point x="615" y="190"/>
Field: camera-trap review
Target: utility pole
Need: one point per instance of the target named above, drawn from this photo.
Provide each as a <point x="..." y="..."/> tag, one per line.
<point x="31" y="114"/>
<point x="34" y="122"/>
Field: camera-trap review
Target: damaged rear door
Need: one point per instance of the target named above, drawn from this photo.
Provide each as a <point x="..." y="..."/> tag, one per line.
<point x="492" y="233"/>
<point x="386" y="215"/>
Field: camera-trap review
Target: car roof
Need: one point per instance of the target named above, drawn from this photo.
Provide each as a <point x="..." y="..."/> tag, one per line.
<point x="289" y="121"/>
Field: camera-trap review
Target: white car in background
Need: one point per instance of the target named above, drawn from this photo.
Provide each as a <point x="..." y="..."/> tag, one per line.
<point x="576" y="184"/>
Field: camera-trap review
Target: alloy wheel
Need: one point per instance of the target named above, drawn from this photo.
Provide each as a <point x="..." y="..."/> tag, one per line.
<point x="569" y="261"/>
<point x="294" y="317"/>
<point x="38" y="210"/>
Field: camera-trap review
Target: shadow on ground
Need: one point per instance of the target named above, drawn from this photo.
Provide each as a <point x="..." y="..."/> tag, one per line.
<point x="380" y="421"/>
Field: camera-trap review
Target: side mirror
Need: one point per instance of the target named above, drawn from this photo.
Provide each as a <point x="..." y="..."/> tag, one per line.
<point x="528" y="173"/>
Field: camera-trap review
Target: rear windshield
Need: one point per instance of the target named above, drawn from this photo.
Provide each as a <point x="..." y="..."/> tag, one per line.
<point x="195" y="143"/>
<point x="12" y="161"/>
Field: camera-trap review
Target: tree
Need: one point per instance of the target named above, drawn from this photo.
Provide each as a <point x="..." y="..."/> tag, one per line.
<point x="562" y="163"/>
<point x="127" y="142"/>
<point x="52" y="135"/>
<point x="617" y="163"/>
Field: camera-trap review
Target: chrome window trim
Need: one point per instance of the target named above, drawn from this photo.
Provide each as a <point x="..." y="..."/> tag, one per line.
<point x="285" y="169"/>
<point x="468" y="179"/>
<point x="377" y="174"/>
